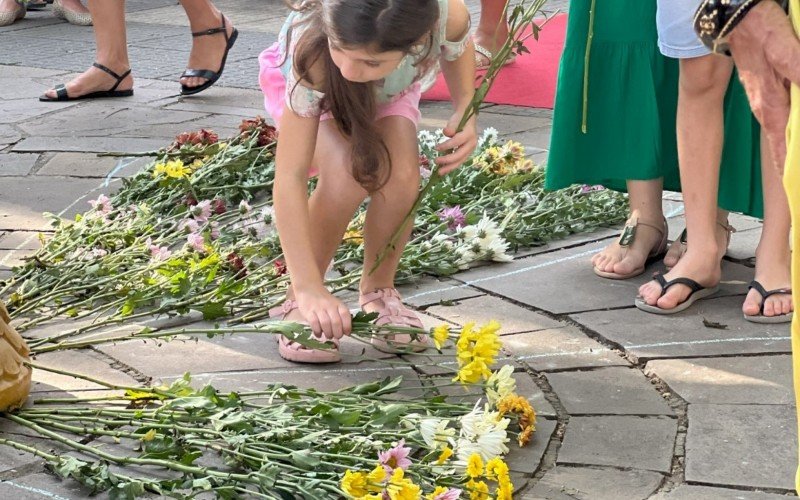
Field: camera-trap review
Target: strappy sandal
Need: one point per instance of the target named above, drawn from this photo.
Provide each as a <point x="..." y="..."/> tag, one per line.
<point x="210" y="76"/>
<point x="61" y="90"/>
<point x="70" y="16"/>
<point x="480" y="50"/>
<point x="760" y="318"/>
<point x="298" y="353"/>
<point x="394" y="312"/>
<point x="626" y="239"/>
<point x="698" y="292"/>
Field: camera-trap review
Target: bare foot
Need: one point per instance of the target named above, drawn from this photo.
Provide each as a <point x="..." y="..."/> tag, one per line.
<point x="75" y="6"/>
<point x="95" y="80"/>
<point x="674" y="254"/>
<point x="625" y="260"/>
<point x="207" y="52"/>
<point x="773" y="272"/>
<point x="694" y="264"/>
<point x="491" y="41"/>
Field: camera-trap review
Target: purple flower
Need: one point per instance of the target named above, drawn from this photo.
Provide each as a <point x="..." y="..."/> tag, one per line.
<point x="450" y="494"/>
<point x="395" y="457"/>
<point x="453" y="216"/>
<point x="202" y="211"/>
<point x="197" y="242"/>
<point x="189" y="226"/>
<point x="102" y="204"/>
<point x="585" y="189"/>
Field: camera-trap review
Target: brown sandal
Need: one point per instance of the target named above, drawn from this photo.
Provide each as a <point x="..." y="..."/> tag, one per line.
<point x="394" y="312"/>
<point x="298" y="353"/>
<point x="626" y="239"/>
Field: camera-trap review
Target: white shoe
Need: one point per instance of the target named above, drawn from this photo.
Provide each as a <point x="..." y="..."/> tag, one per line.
<point x="72" y="17"/>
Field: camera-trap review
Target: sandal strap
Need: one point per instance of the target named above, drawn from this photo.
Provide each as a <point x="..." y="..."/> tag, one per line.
<point x="758" y="287"/>
<point x="61" y="92"/>
<point x="480" y="49"/>
<point x="213" y="31"/>
<point x="199" y="73"/>
<point x="281" y="311"/>
<point x="113" y="73"/>
<point x="628" y="234"/>
<point x="666" y="285"/>
<point x="379" y="294"/>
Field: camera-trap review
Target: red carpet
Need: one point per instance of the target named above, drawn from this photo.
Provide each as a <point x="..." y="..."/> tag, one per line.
<point x="530" y="80"/>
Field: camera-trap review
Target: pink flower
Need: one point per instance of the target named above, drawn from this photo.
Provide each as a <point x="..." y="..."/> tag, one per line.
<point x="102" y="204"/>
<point x="197" y="242"/>
<point x="453" y="216"/>
<point x="450" y="494"/>
<point x="202" y="211"/>
<point x="585" y="189"/>
<point x="98" y="253"/>
<point x="395" y="457"/>
<point x="425" y="172"/>
<point x="214" y="234"/>
<point x="189" y="226"/>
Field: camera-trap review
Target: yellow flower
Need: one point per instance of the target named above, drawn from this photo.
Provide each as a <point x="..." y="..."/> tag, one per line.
<point x="474" y="466"/>
<point x="376" y="477"/>
<point x="436" y="492"/>
<point x="174" y="169"/>
<point x="196" y="164"/>
<point x="496" y="468"/>
<point x="353" y="237"/>
<point x="440" y="335"/>
<point x="400" y="488"/>
<point x="354" y="483"/>
<point x="478" y="490"/>
<point x="476" y="351"/>
<point x="526" y="415"/>
<point x="446" y="453"/>
<point x="159" y="169"/>
<point x="472" y="372"/>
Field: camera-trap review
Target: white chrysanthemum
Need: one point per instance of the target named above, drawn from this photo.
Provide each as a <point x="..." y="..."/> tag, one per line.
<point x="435" y="433"/>
<point x="487" y="229"/>
<point x="500" y="384"/>
<point x="497" y="250"/>
<point x="482" y="432"/>
<point x="488" y="138"/>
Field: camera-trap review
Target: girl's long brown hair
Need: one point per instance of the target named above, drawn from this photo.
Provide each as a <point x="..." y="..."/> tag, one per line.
<point x="381" y="25"/>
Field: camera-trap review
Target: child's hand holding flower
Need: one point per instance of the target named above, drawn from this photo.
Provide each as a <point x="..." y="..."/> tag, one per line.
<point x="460" y="145"/>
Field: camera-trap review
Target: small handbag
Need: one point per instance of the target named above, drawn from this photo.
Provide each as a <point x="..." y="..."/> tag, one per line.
<point x="715" y="20"/>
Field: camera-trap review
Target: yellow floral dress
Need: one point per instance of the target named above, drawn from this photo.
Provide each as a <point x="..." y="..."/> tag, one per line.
<point x="791" y="182"/>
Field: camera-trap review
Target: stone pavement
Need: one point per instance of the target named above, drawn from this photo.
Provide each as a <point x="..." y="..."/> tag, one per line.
<point x="630" y="405"/>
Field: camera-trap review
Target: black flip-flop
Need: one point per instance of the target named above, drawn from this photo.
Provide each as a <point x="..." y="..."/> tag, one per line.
<point x="760" y="318"/>
<point x="61" y="90"/>
<point x="210" y="76"/>
<point x="698" y="292"/>
<point x="37" y="5"/>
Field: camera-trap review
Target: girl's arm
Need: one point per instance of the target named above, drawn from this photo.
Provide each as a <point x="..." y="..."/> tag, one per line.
<point x="325" y="313"/>
<point x="460" y="77"/>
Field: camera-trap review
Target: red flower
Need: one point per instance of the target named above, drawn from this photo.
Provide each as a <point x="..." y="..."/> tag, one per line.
<point x="218" y="206"/>
<point x="236" y="264"/>
<point x="424" y="161"/>
<point x="202" y="137"/>
<point x="279" y="267"/>
<point x="190" y="200"/>
<point x="267" y="134"/>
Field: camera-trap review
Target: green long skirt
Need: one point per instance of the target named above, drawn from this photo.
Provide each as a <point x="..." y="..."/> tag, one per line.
<point x="632" y="98"/>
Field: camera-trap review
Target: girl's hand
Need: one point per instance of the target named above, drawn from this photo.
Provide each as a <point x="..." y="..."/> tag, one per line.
<point x="462" y="144"/>
<point x="327" y="315"/>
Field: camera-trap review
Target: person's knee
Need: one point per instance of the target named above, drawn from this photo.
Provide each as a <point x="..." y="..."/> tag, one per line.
<point x="706" y="76"/>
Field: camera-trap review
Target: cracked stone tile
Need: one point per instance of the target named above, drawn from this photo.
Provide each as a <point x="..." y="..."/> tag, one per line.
<point x="690" y="492"/>
<point x="559" y="349"/>
<point x="17" y="165"/>
<point x="481" y="310"/>
<point x="528" y="459"/>
<point x="570" y="483"/>
<point x="84" y="363"/>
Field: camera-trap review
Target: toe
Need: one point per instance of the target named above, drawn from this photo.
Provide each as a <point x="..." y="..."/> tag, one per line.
<point x="626" y="266"/>
<point x="751" y="304"/>
<point x="674" y="296"/>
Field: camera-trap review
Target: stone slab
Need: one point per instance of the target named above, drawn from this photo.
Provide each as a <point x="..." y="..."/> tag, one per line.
<point x="610" y="391"/>
<point x="481" y="310"/>
<point x="527" y="460"/>
<point x="42" y="486"/>
<point x="559" y="349"/>
<point x="526" y="387"/>
<point x="22" y="110"/>
<point x="23" y="199"/>
<point x="742" y="445"/>
<point x="605" y="234"/>
<point x="570" y="483"/>
<point x="690" y="492"/>
<point x="617" y="441"/>
<point x="93" y="144"/>
<point x="91" y="165"/>
<point x="83" y="363"/>
<point x="644" y="336"/>
<point x="14" y="164"/>
<point x="429" y="291"/>
<point x="738" y="380"/>
<point x="8" y="135"/>
<point x="743" y="245"/>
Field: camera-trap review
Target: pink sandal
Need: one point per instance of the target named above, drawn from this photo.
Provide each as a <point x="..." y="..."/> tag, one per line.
<point x="292" y="351"/>
<point x="394" y="312"/>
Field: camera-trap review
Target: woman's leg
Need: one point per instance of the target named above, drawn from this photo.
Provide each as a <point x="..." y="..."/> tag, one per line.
<point x="773" y="255"/>
<point x="703" y="83"/>
<point x="645" y="202"/>
<point x="492" y="30"/>
<point x="207" y="50"/>
<point x="111" y="49"/>
<point x="389" y="206"/>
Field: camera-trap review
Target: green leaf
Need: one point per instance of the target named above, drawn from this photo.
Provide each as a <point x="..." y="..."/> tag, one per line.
<point x="389" y="414"/>
<point x="345" y="417"/>
<point x="304" y="459"/>
<point x="390" y="386"/>
<point x="364" y="318"/>
<point x="213" y="310"/>
<point x="267" y="476"/>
